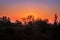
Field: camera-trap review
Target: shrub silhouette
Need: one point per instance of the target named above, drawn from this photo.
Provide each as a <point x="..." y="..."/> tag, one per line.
<point x="36" y="30"/>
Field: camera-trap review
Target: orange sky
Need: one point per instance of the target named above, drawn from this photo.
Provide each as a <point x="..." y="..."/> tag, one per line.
<point x="17" y="11"/>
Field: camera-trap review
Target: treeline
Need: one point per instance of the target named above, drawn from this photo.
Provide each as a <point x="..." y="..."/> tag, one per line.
<point x="32" y="30"/>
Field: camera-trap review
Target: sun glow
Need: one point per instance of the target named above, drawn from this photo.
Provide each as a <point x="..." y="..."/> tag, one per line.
<point x="31" y="13"/>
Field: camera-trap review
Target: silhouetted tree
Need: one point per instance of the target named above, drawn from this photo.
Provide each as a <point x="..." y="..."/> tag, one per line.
<point x="32" y="30"/>
<point x="30" y="18"/>
<point x="55" y="21"/>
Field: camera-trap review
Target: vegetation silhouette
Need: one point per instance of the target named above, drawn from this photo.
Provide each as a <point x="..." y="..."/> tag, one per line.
<point x="31" y="30"/>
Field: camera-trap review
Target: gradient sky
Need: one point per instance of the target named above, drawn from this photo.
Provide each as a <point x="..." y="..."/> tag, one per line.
<point x="17" y="9"/>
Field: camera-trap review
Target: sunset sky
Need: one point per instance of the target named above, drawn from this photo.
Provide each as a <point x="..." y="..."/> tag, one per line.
<point x="17" y="9"/>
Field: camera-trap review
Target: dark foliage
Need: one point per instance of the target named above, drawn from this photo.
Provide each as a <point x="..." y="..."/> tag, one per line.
<point x="36" y="30"/>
